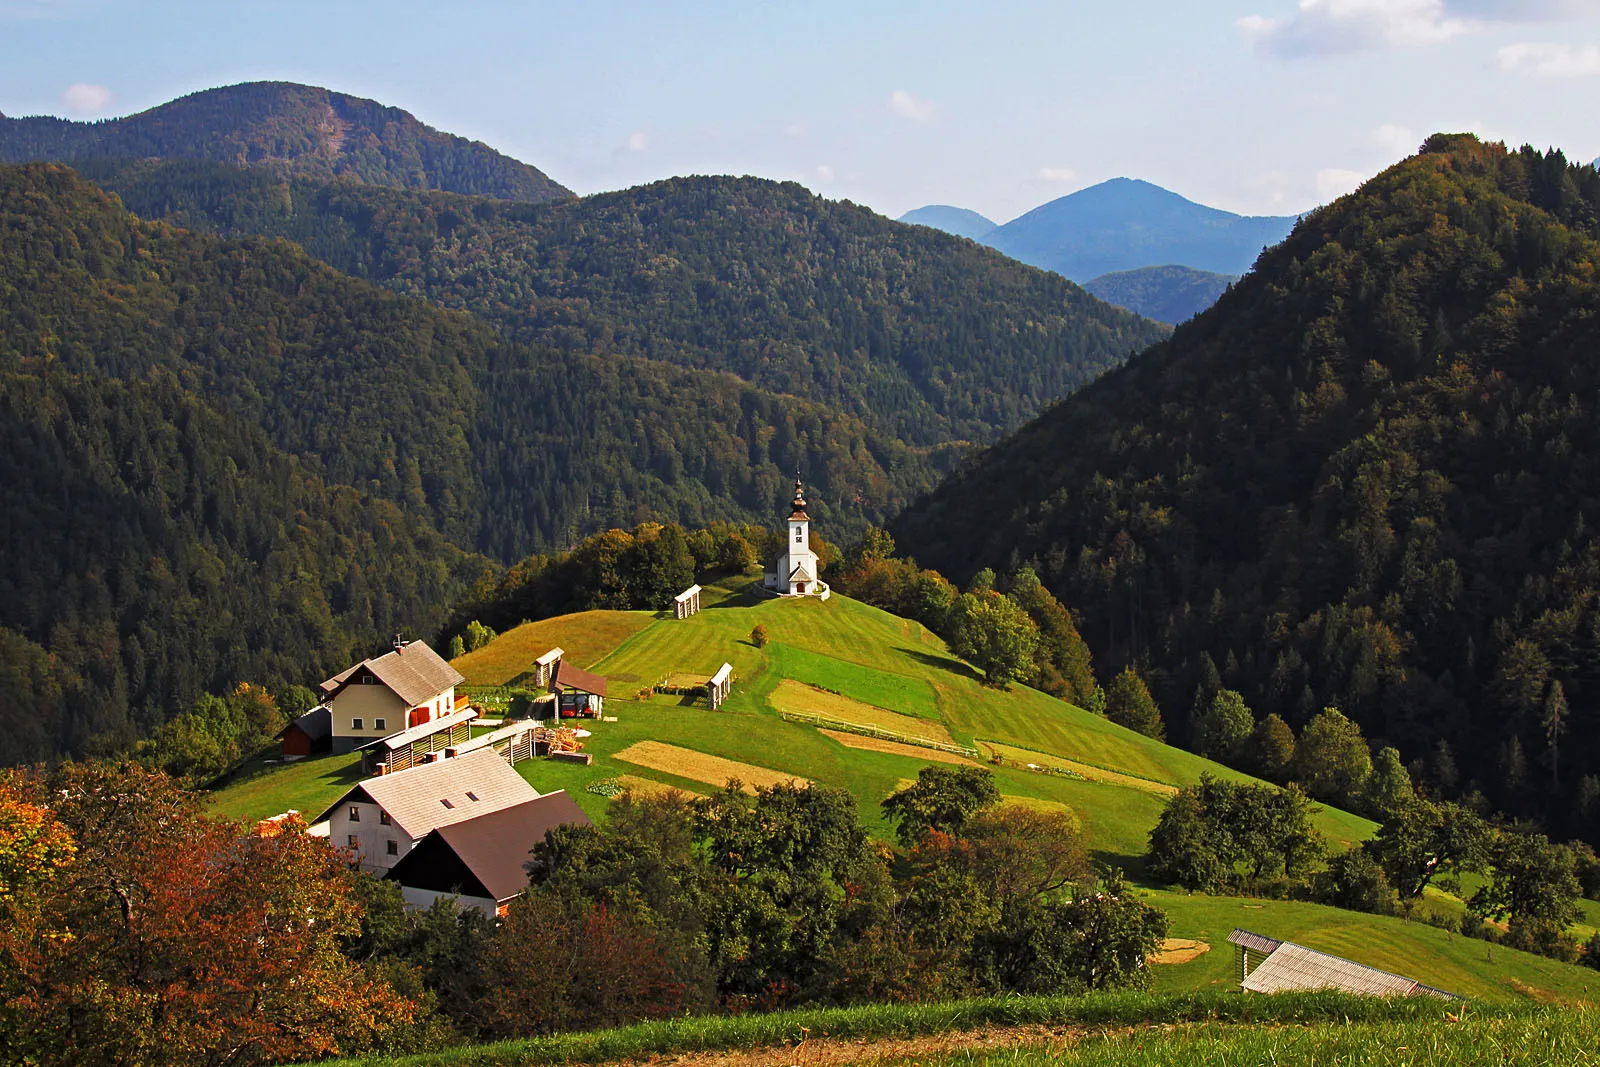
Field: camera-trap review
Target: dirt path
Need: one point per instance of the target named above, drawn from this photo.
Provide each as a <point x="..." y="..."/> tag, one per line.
<point x="835" y="1052"/>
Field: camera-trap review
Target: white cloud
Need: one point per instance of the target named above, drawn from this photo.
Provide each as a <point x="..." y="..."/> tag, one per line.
<point x="910" y="107"/>
<point x="1551" y="60"/>
<point x="638" y="141"/>
<point x="824" y="172"/>
<point x="83" y="99"/>
<point x="1331" y="27"/>
<point x="1396" y="140"/>
<point x="1332" y="183"/>
<point x="1057" y="174"/>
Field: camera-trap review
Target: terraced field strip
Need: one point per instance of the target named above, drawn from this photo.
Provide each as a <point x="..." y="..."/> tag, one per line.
<point x="868" y="730"/>
<point x="790" y="695"/>
<point x="895" y="748"/>
<point x="649" y="787"/>
<point x="587" y="637"/>
<point x="1023" y="756"/>
<point x="699" y="767"/>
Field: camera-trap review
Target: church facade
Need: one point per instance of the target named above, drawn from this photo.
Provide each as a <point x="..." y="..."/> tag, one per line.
<point x="795" y="571"/>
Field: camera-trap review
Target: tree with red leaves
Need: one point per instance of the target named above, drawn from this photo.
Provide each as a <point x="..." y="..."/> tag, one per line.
<point x="177" y="939"/>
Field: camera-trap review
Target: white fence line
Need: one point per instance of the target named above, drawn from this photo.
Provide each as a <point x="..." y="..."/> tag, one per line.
<point x="872" y="730"/>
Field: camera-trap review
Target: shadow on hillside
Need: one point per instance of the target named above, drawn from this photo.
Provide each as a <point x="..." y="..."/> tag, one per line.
<point x="340" y="770"/>
<point x="746" y="596"/>
<point x="948" y="663"/>
<point x="1132" y="866"/>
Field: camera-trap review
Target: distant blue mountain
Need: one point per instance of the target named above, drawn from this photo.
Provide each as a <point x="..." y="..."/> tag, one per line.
<point x="1125" y="224"/>
<point x="956" y="220"/>
<point x="1169" y="294"/>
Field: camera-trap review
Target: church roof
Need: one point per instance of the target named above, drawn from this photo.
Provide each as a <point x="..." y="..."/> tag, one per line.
<point x="801" y="574"/>
<point x="799" y="512"/>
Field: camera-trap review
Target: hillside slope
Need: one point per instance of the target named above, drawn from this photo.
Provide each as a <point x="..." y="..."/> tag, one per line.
<point x="959" y="221"/>
<point x="1365" y="478"/>
<point x="850" y="663"/>
<point x="928" y="338"/>
<point x="227" y="461"/>
<point x="846" y="661"/>
<point x="1166" y="294"/>
<point x="505" y="447"/>
<point x="299" y="129"/>
<point x="1125" y="223"/>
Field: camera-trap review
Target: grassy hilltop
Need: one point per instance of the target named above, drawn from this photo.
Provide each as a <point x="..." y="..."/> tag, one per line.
<point x="847" y="661"/>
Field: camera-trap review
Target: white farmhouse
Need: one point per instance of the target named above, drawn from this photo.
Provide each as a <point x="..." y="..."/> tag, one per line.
<point x="382" y="818"/>
<point x="408" y="687"/>
<point x="795" y="573"/>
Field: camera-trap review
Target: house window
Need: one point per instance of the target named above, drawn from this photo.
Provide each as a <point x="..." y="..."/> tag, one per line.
<point x="383" y="818"/>
<point x="355" y="724"/>
<point x="355" y="813"/>
<point x="446" y="803"/>
<point x="394" y="848"/>
<point x="471" y="795"/>
<point x="355" y="842"/>
<point x="377" y="724"/>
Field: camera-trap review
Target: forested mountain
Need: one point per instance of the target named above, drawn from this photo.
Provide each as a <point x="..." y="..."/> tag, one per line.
<point x="957" y="220"/>
<point x="299" y="129"/>
<point x="1368" y="477"/>
<point x="928" y="339"/>
<point x="506" y="447"/>
<point x="225" y="461"/>
<point x="1166" y="294"/>
<point x="1125" y="223"/>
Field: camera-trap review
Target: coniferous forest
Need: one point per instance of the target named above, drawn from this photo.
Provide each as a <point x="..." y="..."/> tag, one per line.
<point x="461" y="445"/>
<point x="1364" y="480"/>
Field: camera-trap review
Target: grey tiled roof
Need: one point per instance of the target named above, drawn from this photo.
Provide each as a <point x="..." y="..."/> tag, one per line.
<point x="414" y="671"/>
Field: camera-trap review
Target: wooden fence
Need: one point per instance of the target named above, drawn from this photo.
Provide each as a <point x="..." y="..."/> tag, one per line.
<point x="870" y="730"/>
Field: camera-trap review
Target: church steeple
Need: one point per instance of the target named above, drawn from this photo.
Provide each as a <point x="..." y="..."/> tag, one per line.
<point x="799" y="512"/>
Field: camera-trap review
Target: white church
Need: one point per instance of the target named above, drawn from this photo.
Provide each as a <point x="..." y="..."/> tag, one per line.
<point x="795" y="573"/>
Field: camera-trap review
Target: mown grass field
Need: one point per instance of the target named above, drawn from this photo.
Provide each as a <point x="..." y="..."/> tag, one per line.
<point x="266" y="787"/>
<point x="1126" y="1028"/>
<point x="877" y="659"/>
<point x="585" y="637"/>
<point x="1439" y="958"/>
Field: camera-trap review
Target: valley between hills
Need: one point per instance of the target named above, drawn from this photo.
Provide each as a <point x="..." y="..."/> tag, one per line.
<point x="971" y="644"/>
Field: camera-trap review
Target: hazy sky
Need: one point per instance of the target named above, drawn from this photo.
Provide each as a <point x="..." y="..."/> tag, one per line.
<point x="1258" y="106"/>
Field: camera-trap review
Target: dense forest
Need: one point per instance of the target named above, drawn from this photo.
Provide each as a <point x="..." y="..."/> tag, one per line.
<point x="1365" y="479"/>
<point x="928" y="338"/>
<point x="226" y="461"/>
<point x="288" y="128"/>
<point x="506" y="448"/>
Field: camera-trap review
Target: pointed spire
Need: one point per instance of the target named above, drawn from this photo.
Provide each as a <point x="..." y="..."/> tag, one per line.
<point x="799" y="512"/>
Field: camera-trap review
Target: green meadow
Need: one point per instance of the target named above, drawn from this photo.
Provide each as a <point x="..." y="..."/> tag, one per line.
<point x="881" y="660"/>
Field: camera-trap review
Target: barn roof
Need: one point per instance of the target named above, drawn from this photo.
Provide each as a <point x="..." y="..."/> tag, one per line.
<point x="1290" y="966"/>
<point x="570" y="677"/>
<point x="415" y="672"/>
<point x="315" y="724"/>
<point x="441" y="793"/>
<point x="1253" y="941"/>
<point x="493" y="848"/>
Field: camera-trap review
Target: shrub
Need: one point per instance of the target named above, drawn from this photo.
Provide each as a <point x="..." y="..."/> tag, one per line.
<point x="758" y="635"/>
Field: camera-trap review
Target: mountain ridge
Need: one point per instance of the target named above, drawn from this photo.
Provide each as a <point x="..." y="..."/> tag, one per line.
<point x="1361" y="479"/>
<point x="301" y="129"/>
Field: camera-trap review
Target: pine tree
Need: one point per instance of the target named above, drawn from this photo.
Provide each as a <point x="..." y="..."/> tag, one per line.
<point x="1128" y="702"/>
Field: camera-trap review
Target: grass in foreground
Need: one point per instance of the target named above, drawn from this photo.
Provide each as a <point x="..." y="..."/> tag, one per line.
<point x="1487" y="973"/>
<point x="264" y="787"/>
<point x="1536" y="1039"/>
<point x="1216" y="1014"/>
